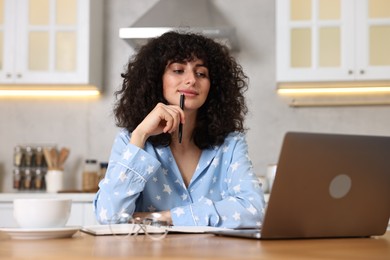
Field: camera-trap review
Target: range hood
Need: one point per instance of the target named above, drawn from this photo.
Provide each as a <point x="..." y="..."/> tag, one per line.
<point x="200" y="16"/>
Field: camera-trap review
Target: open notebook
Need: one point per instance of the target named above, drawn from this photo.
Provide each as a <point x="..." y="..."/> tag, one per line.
<point x="123" y="229"/>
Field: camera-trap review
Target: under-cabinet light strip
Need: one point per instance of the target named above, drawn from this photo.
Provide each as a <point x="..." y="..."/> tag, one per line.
<point x="334" y="90"/>
<point x="46" y="92"/>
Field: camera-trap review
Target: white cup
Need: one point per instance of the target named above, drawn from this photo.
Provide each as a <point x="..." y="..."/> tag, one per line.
<point x="271" y="172"/>
<point x="42" y="212"/>
<point x="54" y="180"/>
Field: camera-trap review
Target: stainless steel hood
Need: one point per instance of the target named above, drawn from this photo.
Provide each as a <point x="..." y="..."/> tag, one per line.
<point x="200" y="16"/>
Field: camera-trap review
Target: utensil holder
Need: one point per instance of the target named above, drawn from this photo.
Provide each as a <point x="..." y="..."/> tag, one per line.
<point x="54" y="180"/>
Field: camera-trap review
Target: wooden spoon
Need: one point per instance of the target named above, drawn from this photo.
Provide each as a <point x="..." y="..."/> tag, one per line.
<point x="54" y="158"/>
<point x="64" y="153"/>
<point x="46" y="154"/>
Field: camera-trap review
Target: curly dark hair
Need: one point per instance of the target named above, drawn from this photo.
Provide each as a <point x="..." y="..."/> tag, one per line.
<point x="225" y="107"/>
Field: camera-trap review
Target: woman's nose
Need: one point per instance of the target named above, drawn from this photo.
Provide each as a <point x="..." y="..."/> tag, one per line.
<point x="190" y="78"/>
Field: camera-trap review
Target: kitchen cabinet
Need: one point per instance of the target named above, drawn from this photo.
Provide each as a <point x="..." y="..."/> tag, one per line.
<point x="333" y="40"/>
<point x="55" y="42"/>
<point x="81" y="213"/>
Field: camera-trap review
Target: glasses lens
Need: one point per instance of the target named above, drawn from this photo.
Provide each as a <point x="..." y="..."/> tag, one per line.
<point x="155" y="229"/>
<point x="122" y="225"/>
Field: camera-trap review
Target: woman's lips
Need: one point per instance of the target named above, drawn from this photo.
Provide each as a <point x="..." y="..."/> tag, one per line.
<point x="188" y="93"/>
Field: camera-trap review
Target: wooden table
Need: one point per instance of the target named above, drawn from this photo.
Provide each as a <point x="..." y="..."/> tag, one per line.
<point x="193" y="246"/>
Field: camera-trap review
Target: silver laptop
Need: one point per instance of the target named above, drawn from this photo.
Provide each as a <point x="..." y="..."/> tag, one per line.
<point x="327" y="186"/>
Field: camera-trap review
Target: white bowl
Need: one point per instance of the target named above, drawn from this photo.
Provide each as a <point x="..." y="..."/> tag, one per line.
<point x="42" y="213"/>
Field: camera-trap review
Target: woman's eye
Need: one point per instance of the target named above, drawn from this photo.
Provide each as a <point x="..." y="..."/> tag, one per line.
<point x="201" y="74"/>
<point x="178" y="71"/>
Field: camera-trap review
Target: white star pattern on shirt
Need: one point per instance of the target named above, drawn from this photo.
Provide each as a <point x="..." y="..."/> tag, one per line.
<point x="127" y="155"/>
<point x="215" y="162"/>
<point x="167" y="189"/>
<point x="143" y="158"/>
<point x="165" y="171"/>
<point x="103" y="214"/>
<point x="208" y="202"/>
<point x="234" y="166"/>
<point x="130" y="192"/>
<point x="214" y="179"/>
<point x="179" y="212"/>
<point x="237" y="188"/>
<point x="151" y="208"/>
<point x="158" y="197"/>
<point x="160" y="152"/>
<point x="224" y="218"/>
<point x="252" y="210"/>
<point x="225" y="149"/>
<point x="184" y="196"/>
<point x="122" y="176"/>
<point x="256" y="184"/>
<point x="150" y="169"/>
<point x="232" y="199"/>
<point x="236" y="216"/>
<point x="106" y="180"/>
<point x="155" y="179"/>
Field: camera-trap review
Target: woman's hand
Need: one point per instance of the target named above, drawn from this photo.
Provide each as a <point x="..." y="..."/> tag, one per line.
<point x="162" y="119"/>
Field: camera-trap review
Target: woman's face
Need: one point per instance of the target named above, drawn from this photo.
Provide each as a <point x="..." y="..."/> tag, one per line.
<point x="188" y="78"/>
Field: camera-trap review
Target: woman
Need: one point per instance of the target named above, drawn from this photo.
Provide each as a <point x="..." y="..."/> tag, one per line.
<point x="204" y="179"/>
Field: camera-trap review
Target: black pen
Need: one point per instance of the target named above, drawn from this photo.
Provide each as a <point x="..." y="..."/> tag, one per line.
<point x="181" y="125"/>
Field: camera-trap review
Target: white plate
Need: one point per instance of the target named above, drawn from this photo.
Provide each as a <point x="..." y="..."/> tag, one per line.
<point x="40" y="233"/>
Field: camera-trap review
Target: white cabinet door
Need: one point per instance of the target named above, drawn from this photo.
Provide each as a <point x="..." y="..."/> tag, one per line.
<point x="52" y="42"/>
<point x="82" y="214"/>
<point x="338" y="40"/>
<point x="372" y="40"/>
<point x="6" y="215"/>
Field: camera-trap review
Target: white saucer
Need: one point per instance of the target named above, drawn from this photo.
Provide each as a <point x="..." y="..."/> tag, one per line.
<point x="40" y="233"/>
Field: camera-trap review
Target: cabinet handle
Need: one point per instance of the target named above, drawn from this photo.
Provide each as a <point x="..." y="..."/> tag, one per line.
<point x="362" y="71"/>
<point x="350" y="72"/>
<point x="8" y="75"/>
<point x="18" y="75"/>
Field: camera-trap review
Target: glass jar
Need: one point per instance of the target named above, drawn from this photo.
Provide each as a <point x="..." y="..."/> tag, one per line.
<point x="17" y="176"/>
<point x="90" y="176"/>
<point x="27" y="180"/>
<point x="38" y="179"/>
<point x="29" y="156"/>
<point x="18" y="156"/>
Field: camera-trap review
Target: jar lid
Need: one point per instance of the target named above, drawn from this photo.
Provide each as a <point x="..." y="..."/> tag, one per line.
<point x="103" y="165"/>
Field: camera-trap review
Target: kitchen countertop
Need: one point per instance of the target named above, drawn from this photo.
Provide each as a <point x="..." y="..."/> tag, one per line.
<point x="193" y="246"/>
<point x="76" y="197"/>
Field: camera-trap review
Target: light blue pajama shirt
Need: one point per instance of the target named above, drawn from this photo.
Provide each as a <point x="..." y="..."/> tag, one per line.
<point x="223" y="192"/>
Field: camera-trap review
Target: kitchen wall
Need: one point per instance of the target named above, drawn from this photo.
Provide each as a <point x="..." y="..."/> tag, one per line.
<point x="88" y="127"/>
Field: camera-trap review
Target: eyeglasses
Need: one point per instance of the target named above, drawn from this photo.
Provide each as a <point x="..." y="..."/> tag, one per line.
<point x="123" y="225"/>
